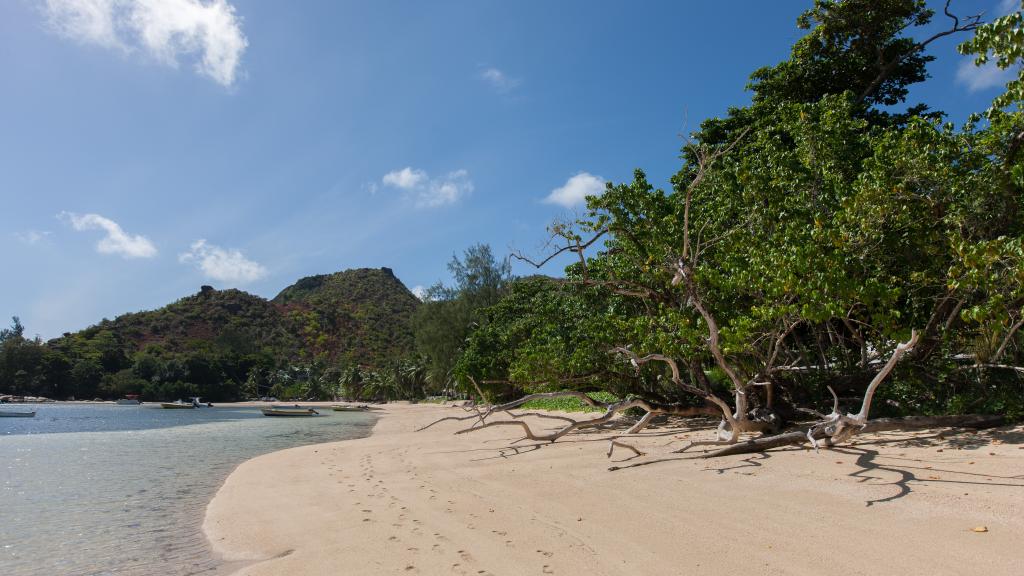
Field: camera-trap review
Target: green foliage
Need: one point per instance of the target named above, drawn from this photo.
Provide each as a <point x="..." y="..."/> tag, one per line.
<point x="570" y="404"/>
<point x="450" y="314"/>
<point x="853" y="45"/>
<point x="1001" y="41"/>
<point x="816" y="227"/>
<point x="358" y="316"/>
<point x="224" y="344"/>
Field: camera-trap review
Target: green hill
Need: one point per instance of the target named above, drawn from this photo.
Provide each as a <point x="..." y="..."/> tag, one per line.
<point x="215" y="341"/>
<point x="221" y="319"/>
<point x="360" y="316"/>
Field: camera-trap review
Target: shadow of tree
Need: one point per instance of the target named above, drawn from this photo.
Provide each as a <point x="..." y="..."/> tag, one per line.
<point x="751" y="461"/>
<point x="867" y="461"/>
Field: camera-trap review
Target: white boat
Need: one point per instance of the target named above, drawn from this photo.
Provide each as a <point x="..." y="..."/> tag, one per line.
<point x="289" y="411"/>
<point x="350" y="408"/>
<point x="8" y="414"/>
<point x="128" y="402"/>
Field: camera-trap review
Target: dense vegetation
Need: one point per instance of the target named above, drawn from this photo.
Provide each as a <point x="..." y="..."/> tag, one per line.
<point x="804" y="236"/>
<point x="227" y="344"/>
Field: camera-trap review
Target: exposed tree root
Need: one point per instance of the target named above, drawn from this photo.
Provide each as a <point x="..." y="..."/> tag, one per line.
<point x="840" y="427"/>
<point x="975" y="421"/>
<point x="610" y="411"/>
<point x="482" y="416"/>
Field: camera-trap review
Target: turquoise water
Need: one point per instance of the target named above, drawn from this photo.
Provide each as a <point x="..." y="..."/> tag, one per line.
<point x="121" y="490"/>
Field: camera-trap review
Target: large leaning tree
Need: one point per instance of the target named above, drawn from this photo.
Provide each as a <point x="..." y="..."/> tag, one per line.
<point x="826" y="245"/>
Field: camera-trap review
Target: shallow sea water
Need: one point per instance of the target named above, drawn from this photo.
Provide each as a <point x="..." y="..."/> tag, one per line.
<point x="121" y="490"/>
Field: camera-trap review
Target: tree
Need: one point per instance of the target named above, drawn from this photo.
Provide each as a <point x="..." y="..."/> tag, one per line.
<point x="449" y="314"/>
<point x="811" y="242"/>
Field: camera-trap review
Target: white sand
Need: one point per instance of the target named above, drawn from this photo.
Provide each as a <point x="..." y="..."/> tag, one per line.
<point x="401" y="502"/>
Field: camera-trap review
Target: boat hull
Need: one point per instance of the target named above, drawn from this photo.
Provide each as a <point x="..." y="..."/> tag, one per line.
<point x="17" y="414"/>
<point x="289" y="412"/>
<point x="173" y="406"/>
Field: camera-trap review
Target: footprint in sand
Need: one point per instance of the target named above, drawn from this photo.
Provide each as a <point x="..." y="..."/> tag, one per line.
<point x="546" y="553"/>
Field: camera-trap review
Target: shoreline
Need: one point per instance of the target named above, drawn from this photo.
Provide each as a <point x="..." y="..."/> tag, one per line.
<point x="398" y="501"/>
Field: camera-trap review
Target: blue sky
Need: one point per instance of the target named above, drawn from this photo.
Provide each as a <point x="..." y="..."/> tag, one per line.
<point x="151" y="146"/>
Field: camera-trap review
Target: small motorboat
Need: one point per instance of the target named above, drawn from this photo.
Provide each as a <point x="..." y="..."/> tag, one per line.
<point x="9" y="414"/>
<point x="177" y="404"/>
<point x="289" y="411"/>
<point x="128" y="402"/>
<point x="350" y="408"/>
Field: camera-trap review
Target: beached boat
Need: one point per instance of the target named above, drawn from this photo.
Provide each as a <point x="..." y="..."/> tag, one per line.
<point x="289" y="411"/>
<point x="349" y="408"/>
<point x="8" y="414"/>
<point x="178" y="404"/>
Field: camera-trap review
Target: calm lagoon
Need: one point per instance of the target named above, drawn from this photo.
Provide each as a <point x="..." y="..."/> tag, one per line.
<point x="121" y="490"/>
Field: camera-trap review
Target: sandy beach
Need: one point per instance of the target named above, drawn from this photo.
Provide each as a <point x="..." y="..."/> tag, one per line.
<point x="406" y="502"/>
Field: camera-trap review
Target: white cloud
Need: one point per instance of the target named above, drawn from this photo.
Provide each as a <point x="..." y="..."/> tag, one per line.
<point x="117" y="241"/>
<point x="419" y="291"/>
<point x="429" y="192"/>
<point x="576" y="190"/>
<point x="982" y="77"/>
<point x="223" y="264"/>
<point x="500" y="81"/>
<point x="85" y="20"/>
<point x="164" y="29"/>
<point x="448" y="190"/>
<point x="407" y="178"/>
<point x="31" y="237"/>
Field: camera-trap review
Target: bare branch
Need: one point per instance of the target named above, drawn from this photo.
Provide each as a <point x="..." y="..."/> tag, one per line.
<point x="576" y="247"/>
<point x="1009" y="337"/>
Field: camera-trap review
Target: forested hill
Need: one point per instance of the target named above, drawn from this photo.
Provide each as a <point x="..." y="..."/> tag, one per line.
<point x="214" y="341"/>
<point x="359" y="316"/>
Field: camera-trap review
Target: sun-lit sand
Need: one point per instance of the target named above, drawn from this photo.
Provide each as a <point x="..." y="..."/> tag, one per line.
<point x="405" y="502"/>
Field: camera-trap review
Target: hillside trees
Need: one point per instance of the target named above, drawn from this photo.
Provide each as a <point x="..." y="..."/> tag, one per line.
<point x="224" y="344"/>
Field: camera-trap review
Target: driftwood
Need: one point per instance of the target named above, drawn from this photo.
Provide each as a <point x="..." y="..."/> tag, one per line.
<point x="610" y="411"/>
<point x="975" y="421"/>
<point x="482" y="416"/>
